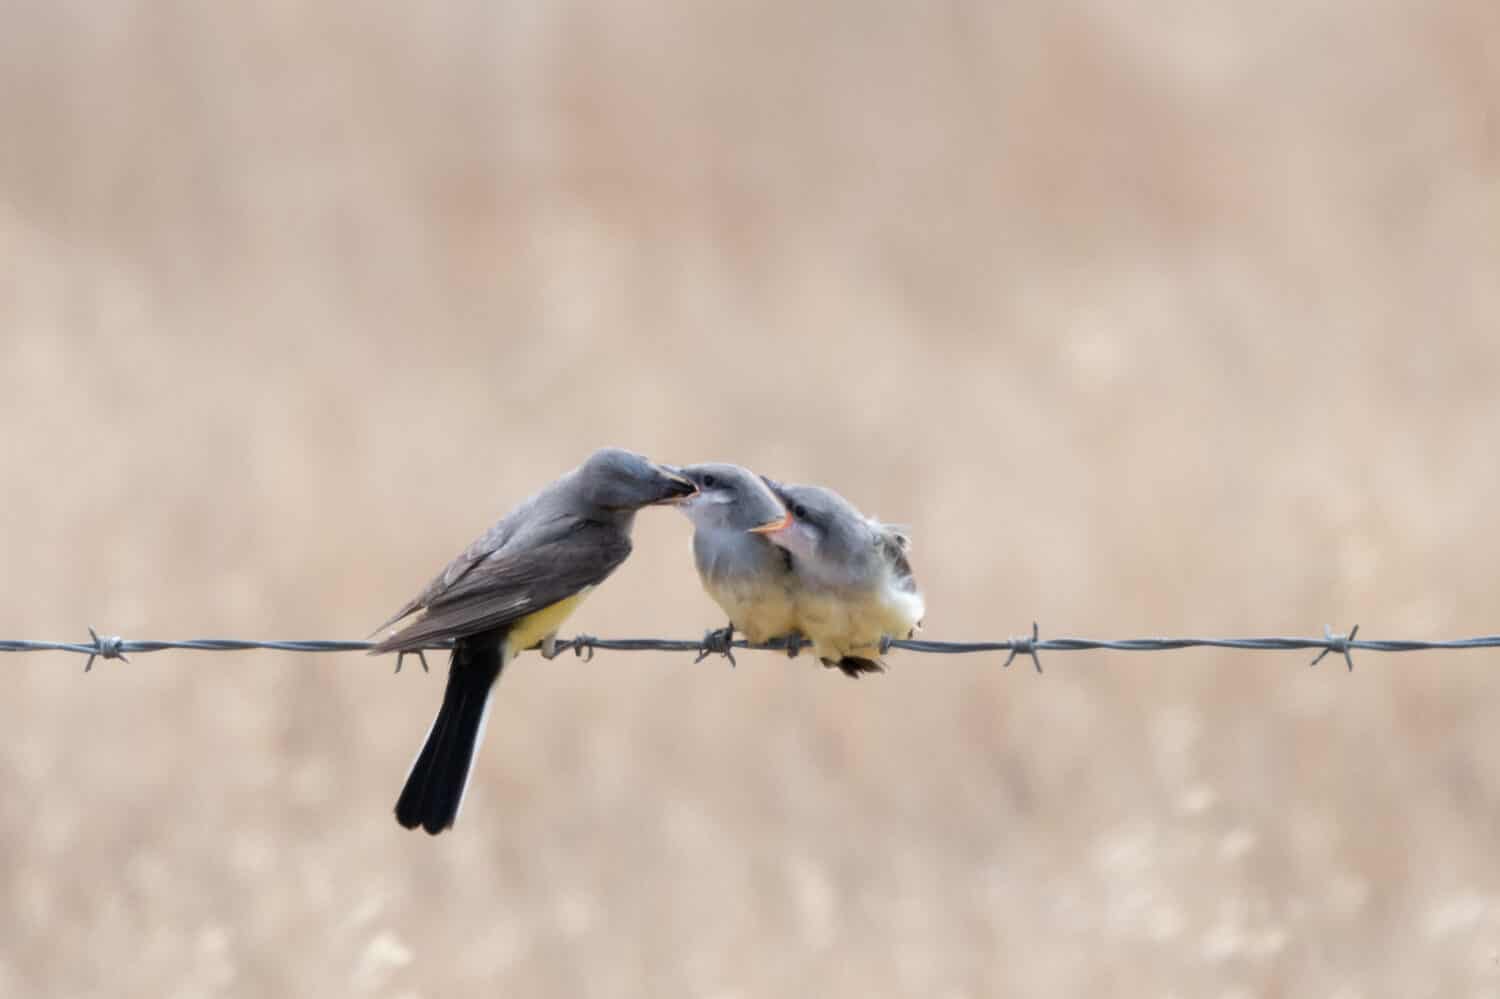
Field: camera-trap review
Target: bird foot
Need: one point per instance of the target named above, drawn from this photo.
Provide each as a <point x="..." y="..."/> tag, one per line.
<point x="548" y="647"/>
<point x="718" y="641"/>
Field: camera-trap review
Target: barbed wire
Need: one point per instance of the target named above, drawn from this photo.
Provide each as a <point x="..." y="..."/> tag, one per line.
<point x="114" y="647"/>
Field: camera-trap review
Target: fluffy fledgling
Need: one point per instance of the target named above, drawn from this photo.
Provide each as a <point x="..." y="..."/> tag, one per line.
<point x="852" y="583"/>
<point x="746" y="575"/>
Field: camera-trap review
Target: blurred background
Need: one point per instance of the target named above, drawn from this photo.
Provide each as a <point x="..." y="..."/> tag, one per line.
<point x="1170" y="319"/>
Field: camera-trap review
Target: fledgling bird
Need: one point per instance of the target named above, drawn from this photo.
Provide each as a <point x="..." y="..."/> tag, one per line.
<point x="510" y="589"/>
<point x="746" y="575"/>
<point x="853" y="586"/>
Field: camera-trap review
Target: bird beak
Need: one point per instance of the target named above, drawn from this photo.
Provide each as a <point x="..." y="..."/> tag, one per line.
<point x="775" y="526"/>
<point x="679" y="488"/>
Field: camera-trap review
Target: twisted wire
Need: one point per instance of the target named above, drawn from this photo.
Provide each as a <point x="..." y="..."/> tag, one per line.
<point x="1344" y="644"/>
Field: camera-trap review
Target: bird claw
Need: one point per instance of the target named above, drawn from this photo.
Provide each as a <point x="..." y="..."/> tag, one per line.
<point x="793" y="644"/>
<point x="718" y="641"/>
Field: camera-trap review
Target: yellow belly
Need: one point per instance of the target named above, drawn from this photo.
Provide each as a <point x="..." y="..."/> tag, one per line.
<point x="539" y="624"/>
<point x="760" y="611"/>
<point x="840" y="625"/>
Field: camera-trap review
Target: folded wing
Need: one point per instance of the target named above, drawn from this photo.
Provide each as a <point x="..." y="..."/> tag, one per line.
<point x="499" y="588"/>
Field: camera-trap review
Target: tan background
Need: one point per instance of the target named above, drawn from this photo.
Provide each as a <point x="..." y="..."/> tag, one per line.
<point x="1176" y="318"/>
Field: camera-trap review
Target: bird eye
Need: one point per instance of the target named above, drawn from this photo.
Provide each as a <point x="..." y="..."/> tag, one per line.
<point x="799" y="511"/>
<point x="710" y="481"/>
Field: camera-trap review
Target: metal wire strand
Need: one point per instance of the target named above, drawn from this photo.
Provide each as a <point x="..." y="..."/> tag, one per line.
<point x="114" y="647"/>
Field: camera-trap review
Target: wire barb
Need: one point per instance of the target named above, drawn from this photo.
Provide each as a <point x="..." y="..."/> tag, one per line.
<point x="718" y="642"/>
<point x="419" y="653"/>
<point x="114" y="647"/>
<point x="107" y="647"/>
<point x="1026" y="647"/>
<point x="1337" y="643"/>
<point x="582" y="646"/>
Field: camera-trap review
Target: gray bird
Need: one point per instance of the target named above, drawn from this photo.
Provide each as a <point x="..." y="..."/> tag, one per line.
<point x="745" y="574"/>
<point x="510" y="589"/>
<point x="853" y="586"/>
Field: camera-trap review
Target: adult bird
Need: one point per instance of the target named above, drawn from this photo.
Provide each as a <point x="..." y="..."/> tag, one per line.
<point x="509" y="590"/>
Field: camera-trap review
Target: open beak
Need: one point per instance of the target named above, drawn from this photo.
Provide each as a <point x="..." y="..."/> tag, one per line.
<point x="679" y="488"/>
<point x="780" y="524"/>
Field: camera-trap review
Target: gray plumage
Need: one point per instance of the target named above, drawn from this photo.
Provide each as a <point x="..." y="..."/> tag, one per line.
<point x="746" y="575"/>
<point x="853" y="583"/>
<point x="566" y="538"/>
<point x="508" y="590"/>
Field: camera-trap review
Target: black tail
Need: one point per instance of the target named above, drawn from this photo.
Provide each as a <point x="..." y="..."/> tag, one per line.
<point x="856" y="666"/>
<point x="435" y="787"/>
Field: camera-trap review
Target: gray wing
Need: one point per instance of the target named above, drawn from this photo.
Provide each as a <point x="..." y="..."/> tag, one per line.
<point x="484" y="546"/>
<point x="506" y="530"/>
<point x="497" y="588"/>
